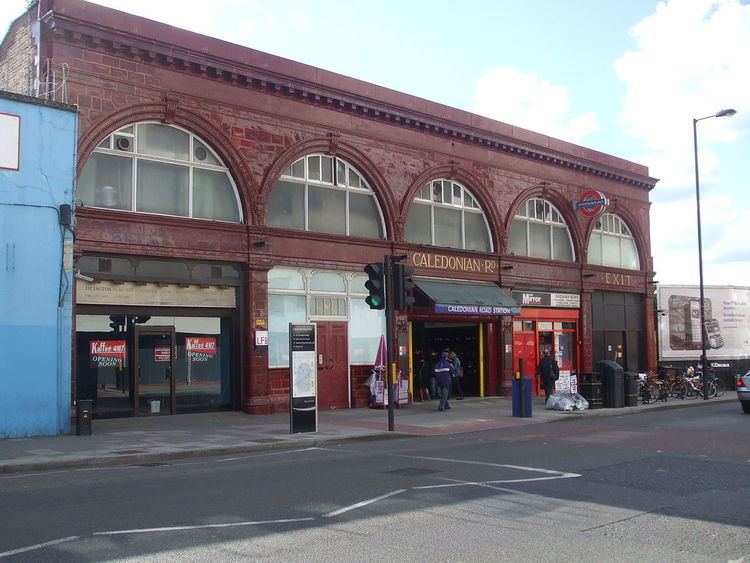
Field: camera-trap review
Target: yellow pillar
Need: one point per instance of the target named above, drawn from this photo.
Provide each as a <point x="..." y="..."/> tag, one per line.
<point x="481" y="359"/>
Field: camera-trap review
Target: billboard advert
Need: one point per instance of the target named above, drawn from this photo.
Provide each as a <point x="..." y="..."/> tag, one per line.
<point x="726" y="315"/>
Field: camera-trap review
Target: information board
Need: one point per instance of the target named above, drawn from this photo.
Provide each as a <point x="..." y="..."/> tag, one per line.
<point x="303" y="410"/>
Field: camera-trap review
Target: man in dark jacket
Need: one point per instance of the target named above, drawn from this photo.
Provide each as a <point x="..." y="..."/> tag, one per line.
<point x="548" y="373"/>
<point x="444" y="375"/>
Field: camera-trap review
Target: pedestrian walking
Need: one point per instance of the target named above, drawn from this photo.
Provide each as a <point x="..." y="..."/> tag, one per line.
<point x="444" y="375"/>
<point x="548" y="372"/>
<point x="458" y="373"/>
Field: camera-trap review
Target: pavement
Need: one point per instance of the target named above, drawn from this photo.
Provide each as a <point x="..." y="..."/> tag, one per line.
<point x="156" y="439"/>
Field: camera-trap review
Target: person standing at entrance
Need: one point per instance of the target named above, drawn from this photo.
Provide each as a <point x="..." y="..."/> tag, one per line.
<point x="432" y="360"/>
<point x="458" y="373"/>
<point x="444" y="375"/>
<point x="421" y="380"/>
<point x="548" y="372"/>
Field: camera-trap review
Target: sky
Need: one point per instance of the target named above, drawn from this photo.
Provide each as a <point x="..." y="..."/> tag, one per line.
<point x="623" y="77"/>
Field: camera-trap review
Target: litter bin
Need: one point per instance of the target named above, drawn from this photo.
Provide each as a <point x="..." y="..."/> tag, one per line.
<point x="84" y="409"/>
<point x="631" y="389"/>
<point x="521" y="395"/>
<point x="614" y="384"/>
<point x="591" y="389"/>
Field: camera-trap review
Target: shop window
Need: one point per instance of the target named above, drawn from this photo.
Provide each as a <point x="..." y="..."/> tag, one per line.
<point x="328" y="307"/>
<point x="538" y="230"/>
<point x="444" y="213"/>
<point x="365" y="328"/>
<point x="282" y="310"/>
<point x="327" y="281"/>
<point x="202" y="363"/>
<point x="285" y="278"/>
<point x="157" y="168"/>
<point x="325" y="194"/>
<point x="612" y="244"/>
<point x="331" y="295"/>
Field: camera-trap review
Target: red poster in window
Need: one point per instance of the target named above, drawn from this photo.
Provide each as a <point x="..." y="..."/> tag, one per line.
<point x="200" y="349"/>
<point x="162" y="354"/>
<point x="107" y="353"/>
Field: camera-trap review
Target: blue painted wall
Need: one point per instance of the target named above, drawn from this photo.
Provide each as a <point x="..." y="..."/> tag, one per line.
<point x="36" y="261"/>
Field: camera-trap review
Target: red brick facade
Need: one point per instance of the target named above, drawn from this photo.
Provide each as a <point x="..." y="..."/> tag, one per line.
<point x="260" y="113"/>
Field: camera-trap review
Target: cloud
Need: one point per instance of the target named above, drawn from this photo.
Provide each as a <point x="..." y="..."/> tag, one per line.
<point x="691" y="60"/>
<point x="524" y="99"/>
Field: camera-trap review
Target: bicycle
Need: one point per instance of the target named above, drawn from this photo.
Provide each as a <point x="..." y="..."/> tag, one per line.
<point x="718" y="384"/>
<point x="650" y="389"/>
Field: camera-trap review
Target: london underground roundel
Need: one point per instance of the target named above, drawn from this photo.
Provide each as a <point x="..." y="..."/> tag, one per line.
<point x="591" y="203"/>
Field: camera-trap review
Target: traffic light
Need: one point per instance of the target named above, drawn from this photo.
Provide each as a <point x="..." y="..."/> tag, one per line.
<point x="403" y="286"/>
<point x="408" y="287"/>
<point x="375" y="285"/>
<point x="118" y="322"/>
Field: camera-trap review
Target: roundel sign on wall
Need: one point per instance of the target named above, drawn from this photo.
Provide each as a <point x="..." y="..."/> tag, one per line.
<point x="591" y="203"/>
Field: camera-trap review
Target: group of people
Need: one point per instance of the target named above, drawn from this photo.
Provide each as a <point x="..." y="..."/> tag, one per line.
<point x="439" y="378"/>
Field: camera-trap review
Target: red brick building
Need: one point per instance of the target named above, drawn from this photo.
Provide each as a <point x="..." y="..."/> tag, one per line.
<point x="224" y="192"/>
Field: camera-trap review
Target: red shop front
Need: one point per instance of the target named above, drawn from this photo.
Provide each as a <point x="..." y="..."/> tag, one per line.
<point x="548" y="321"/>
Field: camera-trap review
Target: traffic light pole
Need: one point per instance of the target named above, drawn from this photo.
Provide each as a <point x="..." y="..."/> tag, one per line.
<point x="389" y="333"/>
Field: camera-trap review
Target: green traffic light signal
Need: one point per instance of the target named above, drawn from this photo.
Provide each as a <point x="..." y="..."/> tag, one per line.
<point x="375" y="285"/>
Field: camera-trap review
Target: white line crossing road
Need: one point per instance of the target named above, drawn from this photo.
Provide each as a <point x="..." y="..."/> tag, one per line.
<point x="545" y="475"/>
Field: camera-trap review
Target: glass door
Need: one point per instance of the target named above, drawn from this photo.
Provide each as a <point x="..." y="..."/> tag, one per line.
<point x="155" y="347"/>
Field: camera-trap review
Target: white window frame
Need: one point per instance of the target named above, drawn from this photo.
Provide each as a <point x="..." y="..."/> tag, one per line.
<point x="108" y="146"/>
<point x="430" y="186"/>
<point x="611" y="225"/>
<point x="334" y="184"/>
<point x="549" y="221"/>
<point x="351" y="293"/>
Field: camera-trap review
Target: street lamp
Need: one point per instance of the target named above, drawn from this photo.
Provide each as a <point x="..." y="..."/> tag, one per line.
<point x="704" y="365"/>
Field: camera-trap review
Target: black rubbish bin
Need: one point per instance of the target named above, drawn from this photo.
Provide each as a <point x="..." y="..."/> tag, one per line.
<point x="614" y="384"/>
<point x="591" y="389"/>
<point x="84" y="410"/>
<point x="631" y="389"/>
<point x="522" y="396"/>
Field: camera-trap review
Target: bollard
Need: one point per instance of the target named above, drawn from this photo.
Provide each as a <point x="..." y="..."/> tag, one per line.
<point x="84" y="410"/>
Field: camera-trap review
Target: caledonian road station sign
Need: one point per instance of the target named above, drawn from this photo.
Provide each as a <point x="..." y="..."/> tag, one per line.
<point x="450" y="263"/>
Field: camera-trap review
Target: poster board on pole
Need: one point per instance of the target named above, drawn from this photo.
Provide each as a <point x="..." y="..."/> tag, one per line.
<point x="303" y="405"/>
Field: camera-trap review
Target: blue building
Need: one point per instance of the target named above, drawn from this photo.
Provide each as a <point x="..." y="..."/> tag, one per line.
<point x="37" y="175"/>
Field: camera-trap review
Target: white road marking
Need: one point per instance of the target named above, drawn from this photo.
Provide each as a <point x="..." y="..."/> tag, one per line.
<point x="549" y="474"/>
<point x="253" y="456"/>
<point x="363" y="503"/>
<point x="553" y="472"/>
<point x="37" y="546"/>
<point x="21" y="475"/>
<point x="201" y="527"/>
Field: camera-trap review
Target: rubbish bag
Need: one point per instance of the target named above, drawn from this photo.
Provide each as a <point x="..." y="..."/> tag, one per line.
<point x="579" y="403"/>
<point x="566" y="402"/>
<point x="559" y="403"/>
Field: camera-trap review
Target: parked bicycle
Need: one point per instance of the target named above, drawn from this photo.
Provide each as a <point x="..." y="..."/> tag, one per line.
<point x="651" y="388"/>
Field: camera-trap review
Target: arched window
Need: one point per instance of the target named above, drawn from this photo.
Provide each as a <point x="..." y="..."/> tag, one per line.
<point x="157" y="168"/>
<point x="539" y="230"/>
<point x="612" y="244"/>
<point x="327" y="195"/>
<point x="444" y="213"/>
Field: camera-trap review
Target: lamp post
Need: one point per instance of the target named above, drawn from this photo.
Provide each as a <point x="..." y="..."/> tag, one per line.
<point x="704" y="364"/>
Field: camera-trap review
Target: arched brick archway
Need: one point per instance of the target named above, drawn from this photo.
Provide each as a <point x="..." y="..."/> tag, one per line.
<point x="458" y="174"/>
<point x="333" y="147"/>
<point x="196" y="124"/>
<point x="547" y="193"/>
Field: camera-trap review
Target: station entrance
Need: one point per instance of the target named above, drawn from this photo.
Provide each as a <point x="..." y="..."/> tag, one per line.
<point x="431" y="338"/>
